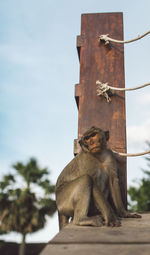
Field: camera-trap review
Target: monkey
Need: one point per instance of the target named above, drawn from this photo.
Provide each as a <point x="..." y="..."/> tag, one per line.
<point x="87" y="190"/>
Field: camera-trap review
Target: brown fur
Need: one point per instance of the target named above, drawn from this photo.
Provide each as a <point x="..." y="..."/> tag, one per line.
<point x="87" y="190"/>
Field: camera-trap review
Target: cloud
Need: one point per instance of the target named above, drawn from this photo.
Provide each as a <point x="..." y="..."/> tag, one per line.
<point x="144" y="99"/>
<point x="138" y="134"/>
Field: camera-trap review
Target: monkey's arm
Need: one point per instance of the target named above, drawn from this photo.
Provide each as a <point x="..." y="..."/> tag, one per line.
<point x="104" y="207"/>
<point x="110" y="166"/>
<point x="63" y="220"/>
<point x="116" y="194"/>
<point x="117" y="199"/>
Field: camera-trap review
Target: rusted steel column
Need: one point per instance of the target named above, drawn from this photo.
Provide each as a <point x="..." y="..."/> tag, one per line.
<point x="104" y="63"/>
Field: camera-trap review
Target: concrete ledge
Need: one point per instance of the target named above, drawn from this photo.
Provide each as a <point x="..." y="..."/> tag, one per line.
<point x="133" y="237"/>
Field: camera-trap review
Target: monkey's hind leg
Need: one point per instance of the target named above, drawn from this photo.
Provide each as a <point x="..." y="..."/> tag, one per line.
<point x="63" y="220"/>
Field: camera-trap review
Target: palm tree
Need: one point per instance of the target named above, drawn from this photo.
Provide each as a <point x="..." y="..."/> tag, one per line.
<point x="21" y="209"/>
<point x="141" y="193"/>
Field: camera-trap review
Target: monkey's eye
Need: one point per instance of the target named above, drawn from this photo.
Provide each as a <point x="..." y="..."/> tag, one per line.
<point x="86" y="138"/>
<point x="93" y="134"/>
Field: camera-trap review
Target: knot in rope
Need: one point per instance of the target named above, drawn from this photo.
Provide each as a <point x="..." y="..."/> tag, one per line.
<point x="104" y="38"/>
<point x="103" y="90"/>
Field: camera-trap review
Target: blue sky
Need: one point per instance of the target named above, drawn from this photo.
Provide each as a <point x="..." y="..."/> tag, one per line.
<point x="38" y="69"/>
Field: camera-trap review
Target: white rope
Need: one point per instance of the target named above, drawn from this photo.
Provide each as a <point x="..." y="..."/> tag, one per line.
<point x="104" y="88"/>
<point x="107" y="39"/>
<point x="131" y="154"/>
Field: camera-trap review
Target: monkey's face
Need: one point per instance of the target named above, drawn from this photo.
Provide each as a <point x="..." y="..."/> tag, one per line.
<point x="93" y="142"/>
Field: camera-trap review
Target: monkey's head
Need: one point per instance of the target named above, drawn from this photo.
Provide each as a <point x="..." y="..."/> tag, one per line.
<point x="94" y="140"/>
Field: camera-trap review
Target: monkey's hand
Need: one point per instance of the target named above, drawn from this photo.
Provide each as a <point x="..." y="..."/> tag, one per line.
<point x="112" y="221"/>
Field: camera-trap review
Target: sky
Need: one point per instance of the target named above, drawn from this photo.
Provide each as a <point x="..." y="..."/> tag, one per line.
<point x="39" y="67"/>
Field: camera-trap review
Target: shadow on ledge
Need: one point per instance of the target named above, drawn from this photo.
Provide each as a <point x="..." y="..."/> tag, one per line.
<point x="11" y="248"/>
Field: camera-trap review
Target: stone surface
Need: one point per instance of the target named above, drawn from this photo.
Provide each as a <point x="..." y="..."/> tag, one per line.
<point x="132" y="237"/>
<point x="101" y="249"/>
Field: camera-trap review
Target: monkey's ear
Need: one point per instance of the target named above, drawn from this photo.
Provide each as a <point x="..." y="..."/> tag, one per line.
<point x="84" y="146"/>
<point x="107" y="135"/>
<point x="80" y="142"/>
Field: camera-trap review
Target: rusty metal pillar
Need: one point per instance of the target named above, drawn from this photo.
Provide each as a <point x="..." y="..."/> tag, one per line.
<point x="104" y="63"/>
